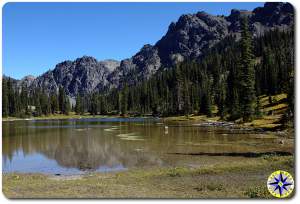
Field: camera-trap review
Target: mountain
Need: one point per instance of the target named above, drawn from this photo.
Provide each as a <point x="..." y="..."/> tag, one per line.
<point x="83" y="75"/>
<point x="187" y="39"/>
<point x="26" y="81"/>
<point x="193" y="34"/>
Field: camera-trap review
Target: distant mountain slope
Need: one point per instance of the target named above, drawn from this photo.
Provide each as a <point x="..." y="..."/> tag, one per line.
<point x="193" y="34"/>
<point x="26" y="81"/>
<point x="187" y="39"/>
<point x="83" y="75"/>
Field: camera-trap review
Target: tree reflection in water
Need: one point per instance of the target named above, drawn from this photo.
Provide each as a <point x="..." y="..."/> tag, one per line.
<point x="92" y="145"/>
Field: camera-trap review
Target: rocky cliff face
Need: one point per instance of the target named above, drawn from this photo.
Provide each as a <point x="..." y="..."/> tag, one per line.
<point x="188" y="38"/>
<point x="193" y="34"/>
<point x="141" y="66"/>
<point x="26" y="81"/>
<point x="262" y="19"/>
<point x="83" y="75"/>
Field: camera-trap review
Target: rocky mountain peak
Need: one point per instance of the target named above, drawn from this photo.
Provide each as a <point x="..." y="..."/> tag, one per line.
<point x="86" y="60"/>
<point x="236" y="15"/>
<point x="25" y="81"/>
<point x="83" y="75"/>
<point x="193" y="34"/>
<point x="29" y="78"/>
<point x="110" y="64"/>
<point x="274" y="14"/>
<point x="187" y="39"/>
<point x="65" y="63"/>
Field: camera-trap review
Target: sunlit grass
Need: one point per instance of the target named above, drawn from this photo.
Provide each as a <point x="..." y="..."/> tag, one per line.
<point x="207" y="181"/>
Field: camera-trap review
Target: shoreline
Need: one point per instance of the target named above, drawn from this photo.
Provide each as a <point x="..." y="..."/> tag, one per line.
<point x="57" y="117"/>
<point x="71" y="116"/>
<point x="265" y="124"/>
<point x="225" y="180"/>
<point x="243" y="174"/>
<point x="269" y="121"/>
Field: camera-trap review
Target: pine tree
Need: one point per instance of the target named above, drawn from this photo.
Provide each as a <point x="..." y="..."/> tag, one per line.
<point x="44" y="102"/>
<point x="235" y="108"/>
<point x="67" y="106"/>
<point x="61" y="99"/>
<point x="222" y="97"/>
<point x="289" y="115"/>
<point x="206" y="105"/>
<point x="79" y="105"/>
<point x="102" y="105"/>
<point x="54" y="103"/>
<point x="25" y="101"/>
<point x="124" y="100"/>
<point x="179" y="88"/>
<point x="38" y="108"/>
<point x="247" y="81"/>
<point x="94" y="105"/>
<point x="11" y="98"/>
<point x="5" y="101"/>
<point x="187" y="101"/>
<point x="63" y="102"/>
<point x="258" y="112"/>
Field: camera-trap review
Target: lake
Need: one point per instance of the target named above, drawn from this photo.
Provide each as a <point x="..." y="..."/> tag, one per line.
<point x="77" y="146"/>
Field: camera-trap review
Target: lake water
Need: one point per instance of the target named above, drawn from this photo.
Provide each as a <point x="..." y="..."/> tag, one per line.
<point x="117" y="144"/>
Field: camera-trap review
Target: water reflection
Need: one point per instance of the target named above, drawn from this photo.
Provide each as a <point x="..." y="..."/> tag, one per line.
<point x="95" y="145"/>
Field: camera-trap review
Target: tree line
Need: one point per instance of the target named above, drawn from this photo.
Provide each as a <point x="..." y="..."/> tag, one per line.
<point x="25" y="103"/>
<point x="230" y="78"/>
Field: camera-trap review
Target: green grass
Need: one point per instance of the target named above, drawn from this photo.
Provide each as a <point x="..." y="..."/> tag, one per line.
<point x="202" y="118"/>
<point x="72" y="115"/>
<point x="258" y="192"/>
<point x="270" y="119"/>
<point x="271" y="113"/>
<point x="240" y="179"/>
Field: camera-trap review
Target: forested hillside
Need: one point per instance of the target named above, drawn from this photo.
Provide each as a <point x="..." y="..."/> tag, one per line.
<point x="231" y="76"/>
<point x="226" y="81"/>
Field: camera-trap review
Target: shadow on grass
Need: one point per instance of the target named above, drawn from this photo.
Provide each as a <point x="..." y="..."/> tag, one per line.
<point x="238" y="154"/>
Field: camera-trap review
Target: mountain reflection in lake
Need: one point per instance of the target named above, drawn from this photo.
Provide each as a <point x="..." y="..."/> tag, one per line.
<point x="77" y="146"/>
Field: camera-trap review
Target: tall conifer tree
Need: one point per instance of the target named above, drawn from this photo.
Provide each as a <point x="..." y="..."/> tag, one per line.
<point x="247" y="81"/>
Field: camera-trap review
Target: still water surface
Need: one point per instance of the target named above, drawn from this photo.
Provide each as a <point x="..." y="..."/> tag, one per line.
<point x="114" y="144"/>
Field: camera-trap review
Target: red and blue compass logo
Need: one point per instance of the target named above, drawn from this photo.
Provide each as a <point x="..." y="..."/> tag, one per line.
<point x="280" y="184"/>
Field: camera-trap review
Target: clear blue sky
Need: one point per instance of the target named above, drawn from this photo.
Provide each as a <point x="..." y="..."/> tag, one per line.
<point x="37" y="36"/>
